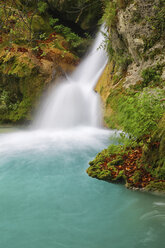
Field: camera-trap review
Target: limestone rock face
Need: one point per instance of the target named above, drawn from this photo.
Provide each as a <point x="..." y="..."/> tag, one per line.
<point x="140" y="33"/>
<point x="136" y="41"/>
<point x="136" y="49"/>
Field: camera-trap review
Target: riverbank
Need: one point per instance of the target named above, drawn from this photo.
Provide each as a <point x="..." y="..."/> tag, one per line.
<point x="132" y="90"/>
<point x="125" y="165"/>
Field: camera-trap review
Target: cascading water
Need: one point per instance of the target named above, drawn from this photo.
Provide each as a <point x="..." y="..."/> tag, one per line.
<point x="73" y="102"/>
<point x="47" y="199"/>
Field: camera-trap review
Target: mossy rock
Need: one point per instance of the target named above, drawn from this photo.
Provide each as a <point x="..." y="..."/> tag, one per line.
<point x="154" y="153"/>
<point x="40" y="25"/>
<point x="156" y="186"/>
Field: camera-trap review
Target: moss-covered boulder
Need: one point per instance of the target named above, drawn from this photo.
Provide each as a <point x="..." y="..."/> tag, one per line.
<point x="25" y="73"/>
<point x="154" y="151"/>
<point x="119" y="164"/>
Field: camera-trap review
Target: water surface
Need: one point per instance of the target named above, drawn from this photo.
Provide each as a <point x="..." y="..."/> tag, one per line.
<point x="48" y="201"/>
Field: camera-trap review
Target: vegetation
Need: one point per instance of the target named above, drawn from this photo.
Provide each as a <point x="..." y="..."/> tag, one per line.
<point x="139" y="157"/>
<point x="35" y="37"/>
<point x="136" y="106"/>
<point x="139" y="114"/>
<point x="28" y="45"/>
<point x="124" y="165"/>
<point x="152" y="76"/>
<point x="76" y="42"/>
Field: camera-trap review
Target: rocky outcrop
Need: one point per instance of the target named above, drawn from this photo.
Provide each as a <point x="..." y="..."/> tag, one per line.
<point x="32" y="55"/>
<point x="132" y="88"/>
<point x="142" y="31"/>
<point x="136" y="48"/>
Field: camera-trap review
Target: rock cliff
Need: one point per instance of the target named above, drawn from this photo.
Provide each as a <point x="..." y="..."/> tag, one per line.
<point x="132" y="88"/>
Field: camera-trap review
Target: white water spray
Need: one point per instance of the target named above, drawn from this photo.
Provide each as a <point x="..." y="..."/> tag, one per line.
<point x="73" y="102"/>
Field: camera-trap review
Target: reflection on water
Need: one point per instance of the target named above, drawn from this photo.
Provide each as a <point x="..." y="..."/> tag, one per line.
<point x="7" y="129"/>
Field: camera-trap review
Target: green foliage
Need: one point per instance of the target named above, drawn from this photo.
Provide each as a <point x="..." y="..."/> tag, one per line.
<point x="110" y="13"/>
<point x="123" y="3"/>
<point x="53" y="21"/>
<point x="156" y="186"/>
<point x="120" y="177"/>
<point x="70" y="37"/>
<point x="127" y="141"/>
<point x="136" y="176"/>
<point x="104" y="175"/>
<point x="139" y="114"/>
<point x="4" y="99"/>
<point x="114" y="149"/>
<point x="116" y="78"/>
<point x="43" y="36"/>
<point x="99" y="158"/>
<point x="20" y="110"/>
<point x="158" y="21"/>
<point x="152" y="76"/>
<point x="151" y="41"/>
<point x="115" y="162"/>
<point x="120" y="57"/>
<point x="118" y="54"/>
<point x="73" y="39"/>
<point x="123" y="60"/>
<point x="42" y="6"/>
<point x="98" y="170"/>
<point x="160" y="172"/>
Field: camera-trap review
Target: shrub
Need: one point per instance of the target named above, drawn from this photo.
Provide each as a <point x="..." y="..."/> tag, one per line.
<point x="140" y="113"/>
<point x="152" y="75"/>
<point x="42" y="6"/>
<point x="73" y="39"/>
<point x="110" y="14"/>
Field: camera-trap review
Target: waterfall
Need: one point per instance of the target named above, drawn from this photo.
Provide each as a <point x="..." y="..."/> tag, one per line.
<point x="73" y="102"/>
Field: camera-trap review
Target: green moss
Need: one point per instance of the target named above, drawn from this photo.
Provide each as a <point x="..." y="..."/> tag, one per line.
<point x="114" y="149"/>
<point x="21" y="112"/>
<point x="123" y="3"/>
<point x="40" y="25"/>
<point x="137" y="176"/>
<point x="154" y="152"/>
<point x="17" y="95"/>
<point x="153" y="53"/>
<point x="116" y="78"/>
<point x="98" y="170"/>
<point x="156" y="186"/>
<point x="152" y="76"/>
<point x="149" y="42"/>
<point x="160" y="171"/>
<point x="104" y="175"/>
<point x="137" y="113"/>
<point x="136" y="17"/>
<point x="121" y="177"/>
<point x="110" y="14"/>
